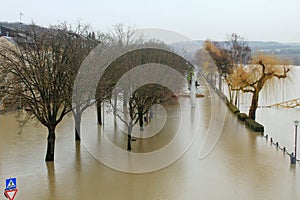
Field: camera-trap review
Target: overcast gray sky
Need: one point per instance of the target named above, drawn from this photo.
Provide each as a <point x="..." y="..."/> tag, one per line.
<point x="268" y="20"/>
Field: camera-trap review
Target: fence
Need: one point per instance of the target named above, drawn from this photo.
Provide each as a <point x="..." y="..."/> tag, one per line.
<point x="276" y="144"/>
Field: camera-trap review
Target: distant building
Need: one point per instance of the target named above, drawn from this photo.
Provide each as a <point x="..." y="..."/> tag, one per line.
<point x="9" y="32"/>
<point x="4" y="42"/>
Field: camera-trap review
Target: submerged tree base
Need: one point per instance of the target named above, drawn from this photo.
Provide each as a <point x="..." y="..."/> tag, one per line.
<point x="49" y="158"/>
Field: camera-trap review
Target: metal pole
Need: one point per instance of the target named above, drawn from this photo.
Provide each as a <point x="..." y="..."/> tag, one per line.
<point x="103" y="106"/>
<point x="296" y="142"/>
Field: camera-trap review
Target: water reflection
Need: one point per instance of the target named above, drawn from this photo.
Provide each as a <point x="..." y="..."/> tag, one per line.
<point x="278" y="121"/>
<point x="51" y="179"/>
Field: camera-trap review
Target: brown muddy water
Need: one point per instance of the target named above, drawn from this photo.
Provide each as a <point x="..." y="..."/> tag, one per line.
<point x="242" y="164"/>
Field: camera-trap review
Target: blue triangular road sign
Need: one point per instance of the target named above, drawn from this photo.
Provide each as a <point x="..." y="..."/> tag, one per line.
<point x="11" y="183"/>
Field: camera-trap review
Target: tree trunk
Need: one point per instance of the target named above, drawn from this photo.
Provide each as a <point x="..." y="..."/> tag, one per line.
<point x="141" y="121"/>
<point x="51" y="144"/>
<point x="129" y="136"/>
<point x="115" y="105"/>
<point x="230" y="93"/>
<point x="125" y="94"/>
<point x="99" y="112"/>
<point x="215" y="85"/>
<point x="77" y="126"/>
<point x="220" y="82"/>
<point x="236" y="99"/>
<point x="254" y="105"/>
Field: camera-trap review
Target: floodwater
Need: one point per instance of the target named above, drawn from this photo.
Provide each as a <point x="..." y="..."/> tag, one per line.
<point x="242" y="164"/>
<point x="278" y="121"/>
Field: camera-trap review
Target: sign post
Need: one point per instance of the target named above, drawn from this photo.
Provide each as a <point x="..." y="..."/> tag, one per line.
<point x="10" y="194"/>
<point x="11" y="188"/>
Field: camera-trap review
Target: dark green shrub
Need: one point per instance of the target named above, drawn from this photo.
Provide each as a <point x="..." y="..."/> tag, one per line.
<point x="253" y="125"/>
<point x="223" y="96"/>
<point x="242" y="116"/>
<point x="232" y="108"/>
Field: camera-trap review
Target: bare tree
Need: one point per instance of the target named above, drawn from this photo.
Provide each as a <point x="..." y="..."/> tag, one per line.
<point x="142" y="98"/>
<point x="84" y="40"/>
<point x="40" y="69"/>
<point x="120" y="37"/>
<point x="136" y="52"/>
<point x="238" y="50"/>
<point x="139" y="104"/>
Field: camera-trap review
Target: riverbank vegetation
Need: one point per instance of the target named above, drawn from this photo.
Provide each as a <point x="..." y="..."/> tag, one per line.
<point x="242" y="70"/>
<point x="39" y="67"/>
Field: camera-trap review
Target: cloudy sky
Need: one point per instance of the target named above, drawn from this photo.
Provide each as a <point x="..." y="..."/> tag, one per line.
<point x="268" y="20"/>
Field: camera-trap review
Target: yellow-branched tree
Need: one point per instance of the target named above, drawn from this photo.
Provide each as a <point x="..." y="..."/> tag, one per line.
<point x="253" y="77"/>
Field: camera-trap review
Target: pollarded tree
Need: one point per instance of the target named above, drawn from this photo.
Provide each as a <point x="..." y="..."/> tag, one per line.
<point x="39" y="67"/>
<point x="253" y="77"/>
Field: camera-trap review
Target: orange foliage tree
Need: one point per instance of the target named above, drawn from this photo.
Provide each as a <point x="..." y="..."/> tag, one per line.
<point x="253" y="77"/>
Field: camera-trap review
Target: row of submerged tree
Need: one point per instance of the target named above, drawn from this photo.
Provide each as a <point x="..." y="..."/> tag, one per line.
<point x="243" y="70"/>
<point x="39" y="68"/>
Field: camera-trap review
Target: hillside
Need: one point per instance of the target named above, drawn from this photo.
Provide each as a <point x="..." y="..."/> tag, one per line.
<point x="290" y="51"/>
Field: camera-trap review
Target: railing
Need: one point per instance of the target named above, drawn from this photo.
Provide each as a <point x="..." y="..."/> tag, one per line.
<point x="276" y="144"/>
<point x="286" y="104"/>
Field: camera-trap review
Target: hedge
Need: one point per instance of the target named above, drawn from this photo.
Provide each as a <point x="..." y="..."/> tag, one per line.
<point x="232" y="108"/>
<point x="253" y="125"/>
<point x="242" y="116"/>
<point x="223" y="96"/>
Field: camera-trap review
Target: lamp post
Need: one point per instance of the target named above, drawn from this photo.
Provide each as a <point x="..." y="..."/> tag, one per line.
<point x="294" y="159"/>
